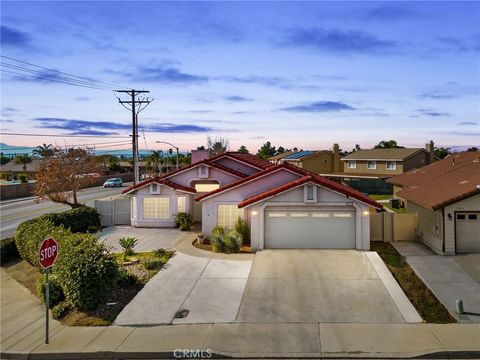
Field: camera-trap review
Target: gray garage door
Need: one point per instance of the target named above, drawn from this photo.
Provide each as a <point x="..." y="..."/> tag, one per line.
<point x="467" y="226"/>
<point x="310" y="229"/>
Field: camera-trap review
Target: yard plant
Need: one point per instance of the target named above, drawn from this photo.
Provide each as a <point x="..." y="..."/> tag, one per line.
<point x="183" y="221"/>
<point x="128" y="245"/>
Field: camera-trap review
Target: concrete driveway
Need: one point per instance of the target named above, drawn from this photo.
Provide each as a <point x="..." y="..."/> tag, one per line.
<point x="210" y="289"/>
<point x="149" y="239"/>
<point x="322" y="286"/>
<point x="448" y="277"/>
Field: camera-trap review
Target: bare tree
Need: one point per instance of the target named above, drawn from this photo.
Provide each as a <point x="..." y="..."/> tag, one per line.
<point x="59" y="178"/>
<point x="218" y="145"/>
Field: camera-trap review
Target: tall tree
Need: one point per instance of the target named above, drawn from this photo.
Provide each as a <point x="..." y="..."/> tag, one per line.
<point x="243" y="150"/>
<point x="474" y="148"/>
<point x="266" y="151"/>
<point x="44" y="150"/>
<point x="441" y="152"/>
<point x="388" y="144"/>
<point x="218" y="145"/>
<point x="60" y="178"/>
<point x="156" y="159"/>
<point x="23" y="160"/>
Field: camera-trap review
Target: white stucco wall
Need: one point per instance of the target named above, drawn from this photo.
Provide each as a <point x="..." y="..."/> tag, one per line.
<point x="165" y="191"/>
<point x="190" y="176"/>
<point x="430" y="223"/>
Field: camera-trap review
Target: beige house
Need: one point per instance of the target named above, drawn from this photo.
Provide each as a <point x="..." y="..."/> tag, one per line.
<point x="446" y="197"/>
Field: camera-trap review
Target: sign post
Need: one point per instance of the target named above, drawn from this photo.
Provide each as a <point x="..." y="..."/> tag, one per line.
<point x="48" y="255"/>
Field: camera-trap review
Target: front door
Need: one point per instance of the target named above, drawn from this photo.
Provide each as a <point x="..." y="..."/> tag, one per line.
<point x="202" y="188"/>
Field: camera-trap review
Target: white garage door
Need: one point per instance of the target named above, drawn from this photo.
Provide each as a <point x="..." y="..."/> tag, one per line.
<point x="310" y="229"/>
<point x="467" y="226"/>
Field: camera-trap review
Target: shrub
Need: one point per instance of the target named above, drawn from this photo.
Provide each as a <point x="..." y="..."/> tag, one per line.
<point x="8" y="250"/>
<point x="232" y="241"/>
<point x="218" y="230"/>
<point x="160" y="253"/>
<point x="126" y="279"/>
<point x="56" y="292"/>
<point x="23" y="178"/>
<point x="127" y="244"/>
<point x="82" y="219"/>
<point x="243" y="229"/>
<point x="5" y="175"/>
<point x="153" y="264"/>
<point x="216" y="239"/>
<point x="183" y="221"/>
<point x="61" y="309"/>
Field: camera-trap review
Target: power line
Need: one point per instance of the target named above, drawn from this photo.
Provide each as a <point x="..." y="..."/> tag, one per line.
<point x="64" y="73"/>
<point x="65" y="136"/>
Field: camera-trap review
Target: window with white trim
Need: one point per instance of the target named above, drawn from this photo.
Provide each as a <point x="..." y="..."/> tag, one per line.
<point x="372" y="165"/>
<point x="351" y="164"/>
<point x="206" y="187"/>
<point x="181" y="204"/>
<point x="203" y="172"/>
<point x="156" y="208"/>
<point x="154" y="188"/>
<point x="391" y="165"/>
<point x="227" y="215"/>
<point x="310" y="193"/>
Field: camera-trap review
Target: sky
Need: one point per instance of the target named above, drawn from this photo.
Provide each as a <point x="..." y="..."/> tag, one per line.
<point x="304" y="74"/>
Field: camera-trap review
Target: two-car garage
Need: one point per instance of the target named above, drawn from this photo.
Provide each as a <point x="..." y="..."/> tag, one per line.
<point x="309" y="228"/>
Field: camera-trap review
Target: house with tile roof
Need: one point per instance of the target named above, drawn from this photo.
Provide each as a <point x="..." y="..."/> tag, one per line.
<point x="446" y="197"/>
<point x="285" y="206"/>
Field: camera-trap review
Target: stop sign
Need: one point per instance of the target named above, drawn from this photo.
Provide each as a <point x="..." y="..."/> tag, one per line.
<point x="48" y="253"/>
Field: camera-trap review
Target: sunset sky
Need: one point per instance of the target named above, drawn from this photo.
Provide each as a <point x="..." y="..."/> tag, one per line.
<point x="303" y="74"/>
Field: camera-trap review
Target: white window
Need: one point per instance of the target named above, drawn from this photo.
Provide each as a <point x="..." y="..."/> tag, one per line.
<point x="203" y="172"/>
<point x="206" y="187"/>
<point x="134" y="207"/>
<point x="154" y="188"/>
<point x="298" y="214"/>
<point x="310" y="193"/>
<point x="181" y="204"/>
<point x="391" y="165"/>
<point x="227" y="215"/>
<point x="342" y="215"/>
<point x="372" y="165"/>
<point x="277" y="214"/>
<point x="320" y="215"/>
<point x="351" y="164"/>
<point x="156" y="208"/>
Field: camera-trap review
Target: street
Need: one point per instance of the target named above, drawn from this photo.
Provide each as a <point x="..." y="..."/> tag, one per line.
<point x="13" y="212"/>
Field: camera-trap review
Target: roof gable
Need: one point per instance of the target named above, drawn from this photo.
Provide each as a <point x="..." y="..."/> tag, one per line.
<point x="398" y="154"/>
<point x="159" y="181"/>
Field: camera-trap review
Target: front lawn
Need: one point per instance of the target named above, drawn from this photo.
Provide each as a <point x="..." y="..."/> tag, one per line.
<point x="380" y="196"/>
<point x="137" y="271"/>
<point x="427" y="305"/>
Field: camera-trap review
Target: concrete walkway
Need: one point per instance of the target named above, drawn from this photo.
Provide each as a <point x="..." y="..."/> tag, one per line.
<point x="22" y="326"/>
<point x="448" y="277"/>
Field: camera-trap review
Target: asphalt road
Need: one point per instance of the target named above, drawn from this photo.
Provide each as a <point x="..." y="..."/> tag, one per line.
<point x="13" y="212"/>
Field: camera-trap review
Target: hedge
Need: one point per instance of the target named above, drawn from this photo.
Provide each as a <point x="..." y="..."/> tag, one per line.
<point x="8" y="250"/>
<point x="82" y="219"/>
<point x="84" y="269"/>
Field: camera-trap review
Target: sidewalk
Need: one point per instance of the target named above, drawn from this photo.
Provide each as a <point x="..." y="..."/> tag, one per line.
<point x="22" y="335"/>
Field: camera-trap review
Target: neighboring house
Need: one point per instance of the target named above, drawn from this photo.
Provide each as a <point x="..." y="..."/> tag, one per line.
<point x="446" y="197"/>
<point x="318" y="161"/>
<point x="285" y="206"/>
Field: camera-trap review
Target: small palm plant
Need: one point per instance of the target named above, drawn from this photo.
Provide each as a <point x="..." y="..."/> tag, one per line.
<point x="127" y="244"/>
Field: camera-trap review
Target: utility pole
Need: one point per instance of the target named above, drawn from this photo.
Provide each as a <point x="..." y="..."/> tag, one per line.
<point x="135" y="106"/>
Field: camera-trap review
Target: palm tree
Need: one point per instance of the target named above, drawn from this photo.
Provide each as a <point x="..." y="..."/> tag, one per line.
<point x="23" y="160"/>
<point x="44" y="150"/>
<point x="156" y="159"/>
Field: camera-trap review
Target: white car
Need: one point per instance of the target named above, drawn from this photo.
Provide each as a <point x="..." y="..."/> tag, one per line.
<point x="114" y="182"/>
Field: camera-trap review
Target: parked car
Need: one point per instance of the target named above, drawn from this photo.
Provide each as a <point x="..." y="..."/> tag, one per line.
<point x="113" y="182"/>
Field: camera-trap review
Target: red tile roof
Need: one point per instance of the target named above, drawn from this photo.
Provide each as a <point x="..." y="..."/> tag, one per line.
<point x="246" y="158"/>
<point x="320" y="180"/>
<point x="443" y="182"/>
<point x="159" y="181"/>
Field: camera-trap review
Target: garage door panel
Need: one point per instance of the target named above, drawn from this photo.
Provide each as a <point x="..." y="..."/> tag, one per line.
<point x="313" y="229"/>
<point x="467" y="226"/>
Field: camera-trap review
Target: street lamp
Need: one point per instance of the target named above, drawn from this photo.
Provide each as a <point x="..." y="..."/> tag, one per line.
<point x="176" y="148"/>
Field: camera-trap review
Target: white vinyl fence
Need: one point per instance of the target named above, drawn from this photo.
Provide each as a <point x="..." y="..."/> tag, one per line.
<point x="114" y="212"/>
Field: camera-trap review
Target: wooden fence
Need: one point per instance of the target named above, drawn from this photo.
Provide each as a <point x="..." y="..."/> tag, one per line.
<point x="393" y="227"/>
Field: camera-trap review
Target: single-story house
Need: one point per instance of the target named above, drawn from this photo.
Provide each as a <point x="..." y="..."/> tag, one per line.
<point x="284" y="205"/>
<point x="446" y="197"/>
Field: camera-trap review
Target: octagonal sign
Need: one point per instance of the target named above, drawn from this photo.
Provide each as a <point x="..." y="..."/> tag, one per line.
<point x="48" y="253"/>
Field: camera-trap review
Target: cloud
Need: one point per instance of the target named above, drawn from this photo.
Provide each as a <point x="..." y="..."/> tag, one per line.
<point x="435" y="95"/>
<point x="433" y="113"/>
<point x="84" y="127"/>
<point x="13" y="37"/>
<point x="237" y="98"/>
<point x="388" y="13"/>
<point x="338" y="41"/>
<point x="468" y="123"/>
<point x="275" y="81"/>
<point x="463" y="45"/>
<point x="83" y="98"/>
<point x="167" y="75"/>
<point x="9" y="111"/>
<point x="320" y="106"/>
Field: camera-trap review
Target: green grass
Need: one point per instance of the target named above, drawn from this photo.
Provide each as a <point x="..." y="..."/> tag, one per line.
<point x="427" y="305"/>
<point x="380" y="197"/>
<point x="398" y="211"/>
